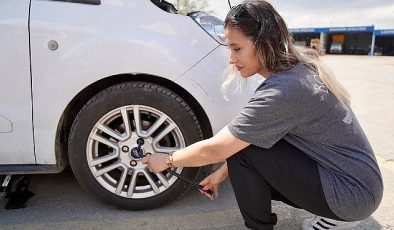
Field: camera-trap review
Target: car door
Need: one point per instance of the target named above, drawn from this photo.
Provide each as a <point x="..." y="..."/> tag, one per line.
<point x="16" y="129"/>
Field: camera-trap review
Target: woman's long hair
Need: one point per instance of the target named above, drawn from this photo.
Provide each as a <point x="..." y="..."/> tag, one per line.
<point x="274" y="45"/>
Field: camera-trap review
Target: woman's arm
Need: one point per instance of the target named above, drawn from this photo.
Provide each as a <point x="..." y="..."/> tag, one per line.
<point x="213" y="150"/>
<point x="213" y="181"/>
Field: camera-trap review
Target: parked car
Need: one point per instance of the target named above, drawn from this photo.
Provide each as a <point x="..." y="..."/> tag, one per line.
<point x="336" y="48"/>
<point x="95" y="84"/>
<point x="378" y="51"/>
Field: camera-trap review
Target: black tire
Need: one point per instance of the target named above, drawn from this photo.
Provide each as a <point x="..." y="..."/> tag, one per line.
<point x="96" y="109"/>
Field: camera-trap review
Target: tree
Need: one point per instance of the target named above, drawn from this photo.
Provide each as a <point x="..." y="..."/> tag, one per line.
<point x="187" y="6"/>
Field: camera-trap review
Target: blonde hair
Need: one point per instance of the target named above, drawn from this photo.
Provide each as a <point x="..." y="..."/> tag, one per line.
<point x="230" y="75"/>
<point x="274" y="46"/>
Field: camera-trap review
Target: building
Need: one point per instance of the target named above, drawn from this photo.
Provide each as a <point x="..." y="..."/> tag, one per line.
<point x="358" y="40"/>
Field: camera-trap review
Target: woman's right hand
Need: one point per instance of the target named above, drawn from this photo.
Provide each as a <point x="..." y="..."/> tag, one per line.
<point x="213" y="181"/>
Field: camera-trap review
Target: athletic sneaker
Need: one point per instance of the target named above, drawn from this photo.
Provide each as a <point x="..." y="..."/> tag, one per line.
<point x="320" y="223"/>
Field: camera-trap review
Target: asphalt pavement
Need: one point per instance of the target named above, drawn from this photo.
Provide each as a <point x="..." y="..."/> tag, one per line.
<point x="60" y="203"/>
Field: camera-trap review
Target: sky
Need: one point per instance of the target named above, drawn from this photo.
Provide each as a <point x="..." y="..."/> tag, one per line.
<point x="326" y="13"/>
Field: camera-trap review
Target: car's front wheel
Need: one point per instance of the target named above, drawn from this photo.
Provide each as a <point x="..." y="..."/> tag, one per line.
<point x="119" y="126"/>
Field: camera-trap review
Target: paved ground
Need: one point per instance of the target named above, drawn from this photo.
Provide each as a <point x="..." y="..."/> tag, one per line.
<point x="61" y="204"/>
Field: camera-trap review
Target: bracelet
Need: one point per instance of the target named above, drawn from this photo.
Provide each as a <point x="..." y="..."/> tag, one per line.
<point x="169" y="160"/>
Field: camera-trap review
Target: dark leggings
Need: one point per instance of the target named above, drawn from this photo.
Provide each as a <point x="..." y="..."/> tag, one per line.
<point x="282" y="173"/>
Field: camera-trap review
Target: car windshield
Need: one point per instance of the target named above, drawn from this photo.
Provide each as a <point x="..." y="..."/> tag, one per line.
<point x="336" y="45"/>
<point x="217" y="8"/>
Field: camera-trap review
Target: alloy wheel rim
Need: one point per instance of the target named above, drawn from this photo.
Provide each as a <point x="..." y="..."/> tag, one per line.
<point x="112" y="146"/>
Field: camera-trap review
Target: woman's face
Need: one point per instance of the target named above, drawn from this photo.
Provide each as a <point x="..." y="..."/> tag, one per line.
<point x="242" y="53"/>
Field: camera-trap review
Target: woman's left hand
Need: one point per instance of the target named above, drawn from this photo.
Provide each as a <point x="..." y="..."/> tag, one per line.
<point x="156" y="162"/>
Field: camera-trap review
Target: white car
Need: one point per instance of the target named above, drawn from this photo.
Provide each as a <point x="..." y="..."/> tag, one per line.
<point x="98" y="84"/>
<point x="336" y="48"/>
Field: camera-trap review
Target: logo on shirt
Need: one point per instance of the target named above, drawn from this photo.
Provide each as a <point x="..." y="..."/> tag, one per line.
<point x="320" y="88"/>
<point x="319" y="85"/>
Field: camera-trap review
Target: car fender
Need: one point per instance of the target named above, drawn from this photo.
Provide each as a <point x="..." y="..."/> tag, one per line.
<point x="88" y="51"/>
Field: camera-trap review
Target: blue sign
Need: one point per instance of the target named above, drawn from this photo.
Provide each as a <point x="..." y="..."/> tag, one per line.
<point x="334" y="29"/>
<point x="306" y="30"/>
<point x="351" y="29"/>
<point x="389" y="32"/>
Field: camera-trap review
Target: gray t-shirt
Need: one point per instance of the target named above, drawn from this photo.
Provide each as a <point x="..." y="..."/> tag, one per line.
<point x="295" y="105"/>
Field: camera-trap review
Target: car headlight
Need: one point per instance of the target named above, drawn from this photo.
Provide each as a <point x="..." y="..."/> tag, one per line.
<point x="214" y="26"/>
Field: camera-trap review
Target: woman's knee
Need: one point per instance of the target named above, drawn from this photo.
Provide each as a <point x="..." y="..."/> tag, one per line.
<point x="241" y="158"/>
<point x="248" y="153"/>
<point x="232" y="161"/>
